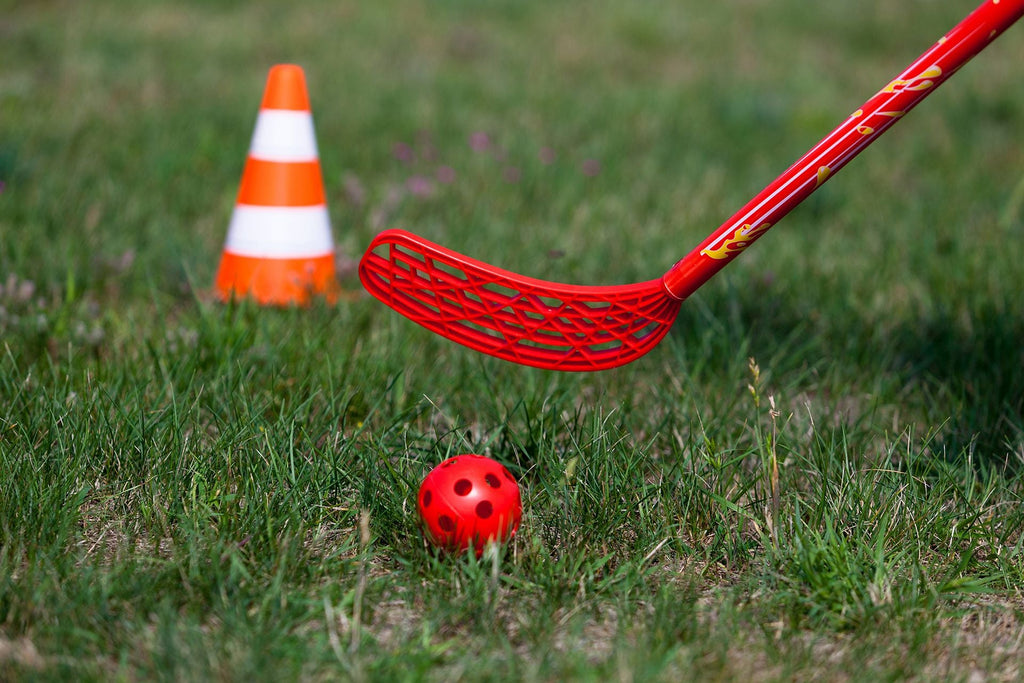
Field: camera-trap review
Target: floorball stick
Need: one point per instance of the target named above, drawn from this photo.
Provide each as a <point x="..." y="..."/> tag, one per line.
<point x="573" y="327"/>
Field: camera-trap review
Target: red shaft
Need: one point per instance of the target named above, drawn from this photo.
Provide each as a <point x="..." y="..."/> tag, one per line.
<point x="929" y="71"/>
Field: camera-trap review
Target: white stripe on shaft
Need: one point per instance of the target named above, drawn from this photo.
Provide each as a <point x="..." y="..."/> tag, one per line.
<point x="279" y="231"/>
<point x="284" y="135"/>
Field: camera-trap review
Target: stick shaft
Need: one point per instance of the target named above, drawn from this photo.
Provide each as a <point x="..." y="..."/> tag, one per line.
<point x="847" y="140"/>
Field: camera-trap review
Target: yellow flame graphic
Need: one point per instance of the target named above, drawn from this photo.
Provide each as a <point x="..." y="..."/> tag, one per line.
<point x="737" y="242"/>
<point x="920" y="82"/>
<point x="823" y="173"/>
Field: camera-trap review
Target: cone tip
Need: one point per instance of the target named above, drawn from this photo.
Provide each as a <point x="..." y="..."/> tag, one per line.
<point x="286" y="88"/>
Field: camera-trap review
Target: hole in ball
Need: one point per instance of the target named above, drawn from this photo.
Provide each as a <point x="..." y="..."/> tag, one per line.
<point x="446" y="523"/>
<point x="508" y="475"/>
<point x="492" y="480"/>
<point x="484" y="509"/>
<point x="463" y="487"/>
<point x="427" y="497"/>
<point x="450" y="462"/>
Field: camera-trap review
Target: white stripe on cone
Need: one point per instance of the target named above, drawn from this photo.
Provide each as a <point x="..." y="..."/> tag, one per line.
<point x="284" y="135"/>
<point x="279" y="231"/>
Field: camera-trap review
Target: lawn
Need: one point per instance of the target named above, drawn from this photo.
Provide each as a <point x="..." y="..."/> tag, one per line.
<point x="817" y="475"/>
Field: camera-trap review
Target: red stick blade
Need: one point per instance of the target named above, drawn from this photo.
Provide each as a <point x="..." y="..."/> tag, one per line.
<point x="516" y="318"/>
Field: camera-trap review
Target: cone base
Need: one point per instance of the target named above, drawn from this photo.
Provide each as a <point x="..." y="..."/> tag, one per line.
<point x="277" y="282"/>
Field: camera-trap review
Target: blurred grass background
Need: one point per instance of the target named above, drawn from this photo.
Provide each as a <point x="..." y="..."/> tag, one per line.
<point x="182" y="481"/>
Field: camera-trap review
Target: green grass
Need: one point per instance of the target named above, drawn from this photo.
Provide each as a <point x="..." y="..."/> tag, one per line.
<point x="817" y="474"/>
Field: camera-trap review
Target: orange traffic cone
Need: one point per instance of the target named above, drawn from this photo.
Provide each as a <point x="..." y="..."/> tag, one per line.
<point x="279" y="248"/>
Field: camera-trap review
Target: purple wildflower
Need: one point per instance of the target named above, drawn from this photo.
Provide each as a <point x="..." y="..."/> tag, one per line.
<point x="445" y="174"/>
<point x="479" y="141"/>
<point x="419" y="186"/>
<point x="403" y="153"/>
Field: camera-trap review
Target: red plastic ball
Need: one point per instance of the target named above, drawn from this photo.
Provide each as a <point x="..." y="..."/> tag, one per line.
<point x="469" y="499"/>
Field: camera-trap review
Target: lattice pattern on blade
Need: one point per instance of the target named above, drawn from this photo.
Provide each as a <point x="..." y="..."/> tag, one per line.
<point x="520" y="319"/>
